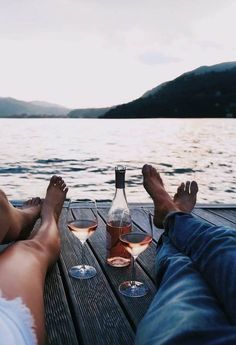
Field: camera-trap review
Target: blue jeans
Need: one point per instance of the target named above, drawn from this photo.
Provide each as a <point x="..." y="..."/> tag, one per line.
<point x="196" y="276"/>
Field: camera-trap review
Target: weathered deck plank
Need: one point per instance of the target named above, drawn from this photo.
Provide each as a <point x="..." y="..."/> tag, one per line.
<point x="59" y="324"/>
<point x="93" y="311"/>
<point x="228" y="214"/>
<point x="213" y="218"/>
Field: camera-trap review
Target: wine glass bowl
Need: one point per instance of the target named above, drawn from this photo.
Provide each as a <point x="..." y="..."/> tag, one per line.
<point x="135" y="243"/>
<point x="83" y="225"/>
<point x="82" y="228"/>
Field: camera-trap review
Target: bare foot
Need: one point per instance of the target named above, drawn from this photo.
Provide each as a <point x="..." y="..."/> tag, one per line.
<point x="55" y="196"/>
<point x="184" y="199"/>
<point x="163" y="204"/>
<point x="186" y="196"/>
<point x="16" y="223"/>
<point x="47" y="234"/>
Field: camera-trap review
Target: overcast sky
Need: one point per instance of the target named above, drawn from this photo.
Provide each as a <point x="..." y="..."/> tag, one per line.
<point x="93" y="53"/>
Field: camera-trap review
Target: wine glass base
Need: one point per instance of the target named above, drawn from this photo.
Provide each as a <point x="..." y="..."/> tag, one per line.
<point x="133" y="289"/>
<point x="82" y="272"/>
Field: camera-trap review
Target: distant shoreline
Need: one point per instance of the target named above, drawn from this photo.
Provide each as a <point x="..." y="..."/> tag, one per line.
<point x="230" y="116"/>
<point x="206" y="92"/>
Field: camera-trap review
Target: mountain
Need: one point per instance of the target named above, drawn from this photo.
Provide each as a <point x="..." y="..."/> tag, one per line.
<point x="154" y="90"/>
<point x="208" y="91"/>
<point x="88" y="112"/>
<point x="220" y="67"/>
<point x="10" y="107"/>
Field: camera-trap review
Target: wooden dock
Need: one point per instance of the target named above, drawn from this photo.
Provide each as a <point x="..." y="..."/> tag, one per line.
<point x="93" y="312"/>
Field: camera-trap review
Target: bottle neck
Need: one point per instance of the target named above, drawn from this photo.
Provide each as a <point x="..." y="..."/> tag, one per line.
<point x="120" y="194"/>
<point x="120" y="179"/>
<point x="119" y="211"/>
<point x="120" y="197"/>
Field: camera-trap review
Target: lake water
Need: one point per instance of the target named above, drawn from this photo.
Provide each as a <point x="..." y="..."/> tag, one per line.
<point x="85" y="153"/>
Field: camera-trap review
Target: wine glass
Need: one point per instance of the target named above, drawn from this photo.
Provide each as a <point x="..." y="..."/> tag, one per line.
<point x="135" y="243"/>
<point x="83" y="226"/>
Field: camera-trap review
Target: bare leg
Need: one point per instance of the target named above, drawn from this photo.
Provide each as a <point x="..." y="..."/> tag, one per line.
<point x="34" y="256"/>
<point x="17" y="223"/>
<point x="184" y="199"/>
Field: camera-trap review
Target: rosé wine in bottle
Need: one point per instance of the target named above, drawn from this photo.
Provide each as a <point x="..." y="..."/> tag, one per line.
<point x="118" y="223"/>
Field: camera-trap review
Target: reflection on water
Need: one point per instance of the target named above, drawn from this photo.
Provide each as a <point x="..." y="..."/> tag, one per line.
<point x="85" y="153"/>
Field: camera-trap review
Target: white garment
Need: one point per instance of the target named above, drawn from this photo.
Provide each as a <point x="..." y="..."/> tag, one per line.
<point x="16" y="323"/>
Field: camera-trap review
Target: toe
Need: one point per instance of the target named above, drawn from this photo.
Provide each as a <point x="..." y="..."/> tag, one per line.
<point x="180" y="189"/>
<point x="53" y="179"/>
<point x="34" y="201"/>
<point x="37" y="201"/>
<point x="194" y="187"/>
<point x="58" y="181"/>
<point x="153" y="171"/>
<point x="187" y="187"/>
<point x="146" y="170"/>
<point x="63" y="186"/>
<point x="29" y="202"/>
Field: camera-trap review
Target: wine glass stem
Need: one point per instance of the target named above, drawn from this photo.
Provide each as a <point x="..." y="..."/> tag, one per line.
<point x="82" y="255"/>
<point x="133" y="276"/>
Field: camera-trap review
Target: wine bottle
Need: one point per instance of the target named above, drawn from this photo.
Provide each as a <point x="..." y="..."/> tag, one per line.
<point x="118" y="223"/>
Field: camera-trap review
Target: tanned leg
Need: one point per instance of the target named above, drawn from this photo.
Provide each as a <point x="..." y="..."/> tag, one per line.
<point x="34" y="256"/>
<point x="184" y="199"/>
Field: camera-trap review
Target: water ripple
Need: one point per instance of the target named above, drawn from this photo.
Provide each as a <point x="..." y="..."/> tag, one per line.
<point x="85" y="153"/>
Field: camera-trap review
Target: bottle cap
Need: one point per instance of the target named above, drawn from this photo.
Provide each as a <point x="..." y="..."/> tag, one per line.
<point x="120" y="176"/>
